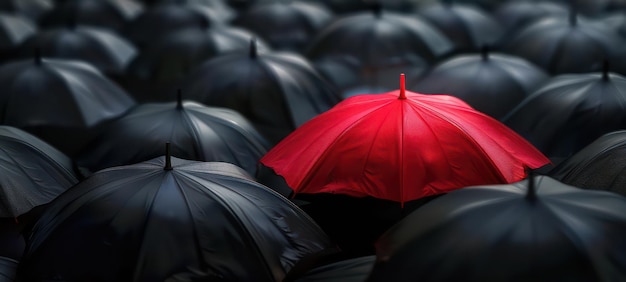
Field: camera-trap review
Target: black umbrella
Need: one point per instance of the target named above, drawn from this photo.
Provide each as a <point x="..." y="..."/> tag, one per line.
<point x="32" y="173"/>
<point x="570" y="111"/>
<point x="491" y="83"/>
<point x="225" y="11"/>
<point x="544" y="231"/>
<point x="157" y="71"/>
<point x="516" y="14"/>
<point x="349" y="270"/>
<point x="171" y="220"/>
<point x="14" y="29"/>
<point x="568" y="44"/>
<point x="467" y="26"/>
<point x="32" y="9"/>
<point x="617" y="22"/>
<point x="277" y="92"/>
<point x="8" y="268"/>
<point x="285" y="25"/>
<point x="111" y="14"/>
<point x="100" y="47"/>
<point x="196" y="132"/>
<point x="364" y="52"/>
<point x="600" y="165"/>
<point x="165" y="18"/>
<point x="60" y="101"/>
<point x="353" y="6"/>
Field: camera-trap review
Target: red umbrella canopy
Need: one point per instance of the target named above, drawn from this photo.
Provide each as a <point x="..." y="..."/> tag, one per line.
<point x="401" y="146"/>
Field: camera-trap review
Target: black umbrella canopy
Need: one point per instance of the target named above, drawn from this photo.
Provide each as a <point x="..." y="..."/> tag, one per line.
<point x="8" y="269"/>
<point x="285" y="26"/>
<point x="59" y="101"/>
<point x="110" y="14"/>
<point x="157" y="71"/>
<point x="170" y="219"/>
<point x="349" y="270"/>
<point x="32" y="172"/>
<point x="276" y="91"/>
<point x="467" y="26"/>
<point x="616" y="21"/>
<point x="32" y="9"/>
<point x="491" y="83"/>
<point x="544" y="231"/>
<point x="365" y="52"/>
<point x="196" y="132"/>
<point x="354" y="6"/>
<point x="14" y="29"/>
<point x="225" y="11"/>
<point x="570" y="111"/>
<point x="165" y="18"/>
<point x="516" y="14"/>
<point x="102" y="48"/>
<point x="568" y="44"/>
<point x="599" y="165"/>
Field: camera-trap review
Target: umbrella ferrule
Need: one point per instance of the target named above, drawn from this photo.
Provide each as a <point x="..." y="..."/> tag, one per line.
<point x="168" y="157"/>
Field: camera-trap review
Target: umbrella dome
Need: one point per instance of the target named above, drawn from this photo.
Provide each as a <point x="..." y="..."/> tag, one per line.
<point x="32" y="9"/>
<point x="14" y="29"/>
<point x="516" y="14"/>
<point x="108" y="14"/>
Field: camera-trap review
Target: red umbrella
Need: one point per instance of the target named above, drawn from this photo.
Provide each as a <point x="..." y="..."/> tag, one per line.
<point x="400" y="146"/>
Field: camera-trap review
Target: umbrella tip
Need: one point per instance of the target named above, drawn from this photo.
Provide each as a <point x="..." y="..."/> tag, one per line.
<point x="253" y="47"/>
<point x="168" y="157"/>
<point x="38" y="56"/>
<point x="531" y="194"/>
<point x="484" y="52"/>
<point x="402" y="87"/>
<point x="377" y="8"/>
<point x="179" y="99"/>
<point x="605" y="70"/>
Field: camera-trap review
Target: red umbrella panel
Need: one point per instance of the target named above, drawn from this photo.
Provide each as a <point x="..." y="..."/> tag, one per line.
<point x="401" y="146"/>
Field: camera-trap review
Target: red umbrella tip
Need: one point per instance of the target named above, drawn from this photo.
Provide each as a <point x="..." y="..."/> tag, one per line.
<point x="402" y="87"/>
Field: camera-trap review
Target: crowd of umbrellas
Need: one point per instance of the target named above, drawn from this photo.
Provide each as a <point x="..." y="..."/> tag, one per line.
<point x="312" y="140"/>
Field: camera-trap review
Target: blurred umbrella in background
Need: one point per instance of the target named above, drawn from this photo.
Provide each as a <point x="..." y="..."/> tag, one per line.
<point x="355" y="6"/>
<point x="276" y="91"/>
<point x="110" y="14"/>
<point x="538" y="231"/>
<point x="224" y="10"/>
<point x="101" y="48"/>
<point x="285" y="25"/>
<point x="599" y="165"/>
<point x="491" y="83"/>
<point x="59" y="101"/>
<point x="514" y="15"/>
<point x="364" y="52"/>
<point x="157" y="71"/>
<point x="32" y="172"/>
<point x="568" y="44"/>
<point x="14" y="29"/>
<point x="467" y="26"/>
<point x="616" y="21"/>
<point x="195" y="131"/>
<point x="32" y="9"/>
<point x="570" y="111"/>
<point x="169" y="219"/>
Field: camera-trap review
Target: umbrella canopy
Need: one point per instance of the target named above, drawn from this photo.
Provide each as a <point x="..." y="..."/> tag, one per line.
<point x="276" y="91"/>
<point x="467" y="26"/>
<point x="491" y="83"/>
<point x="285" y="25"/>
<point x="157" y="71"/>
<point x="400" y="146"/>
<point x="599" y="165"/>
<point x="14" y="29"/>
<point x="545" y="231"/>
<point x="32" y="173"/>
<point x="568" y="44"/>
<point x="616" y="21"/>
<point x="12" y="246"/>
<point x="353" y="6"/>
<point x="171" y="220"/>
<point x="32" y="9"/>
<point x="167" y="18"/>
<point x="350" y="270"/>
<point x="99" y="47"/>
<point x="225" y="11"/>
<point x="8" y="269"/>
<point x="59" y="101"/>
<point x="365" y="52"/>
<point x="516" y="14"/>
<point x="570" y="111"/>
<point x="196" y="132"/>
<point x="110" y="14"/>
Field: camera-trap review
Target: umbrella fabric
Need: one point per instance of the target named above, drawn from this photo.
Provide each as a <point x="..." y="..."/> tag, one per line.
<point x="365" y="52"/>
<point x="568" y="44"/>
<point x="14" y="29"/>
<point x="59" y="101"/>
<point x="196" y="132"/>
<point x="12" y="246"/>
<point x="400" y="146"/>
<point x="467" y="26"/>
<point x="276" y="91"/>
<point x="515" y="15"/>
<point x="285" y="25"/>
<point x="8" y="268"/>
<point x="509" y="233"/>
<point x="99" y="47"/>
<point x="491" y="83"/>
<point x="173" y="220"/>
<point x="350" y="270"/>
<point x="32" y="9"/>
<point x="109" y="14"/>
<point x="599" y="165"/>
<point x="352" y="6"/>
<point x="157" y="71"/>
<point x="617" y="22"/>
<point x="32" y="172"/>
<point x="570" y="111"/>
